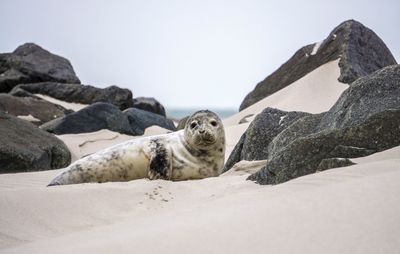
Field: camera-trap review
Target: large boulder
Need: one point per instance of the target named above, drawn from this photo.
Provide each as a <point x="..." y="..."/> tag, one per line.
<point x="24" y="147"/>
<point x="41" y="110"/>
<point x="140" y="119"/>
<point x="360" y="50"/>
<point x="364" y="98"/>
<point x="30" y="63"/>
<point x="149" y="104"/>
<point x="364" y="120"/>
<point x="85" y="94"/>
<point x="92" y="118"/>
<point x="253" y="145"/>
<point x="305" y="155"/>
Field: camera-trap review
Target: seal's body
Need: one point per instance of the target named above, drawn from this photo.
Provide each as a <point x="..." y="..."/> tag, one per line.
<point x="193" y="153"/>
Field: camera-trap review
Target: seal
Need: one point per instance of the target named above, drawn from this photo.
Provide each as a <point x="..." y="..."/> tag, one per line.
<point x="196" y="152"/>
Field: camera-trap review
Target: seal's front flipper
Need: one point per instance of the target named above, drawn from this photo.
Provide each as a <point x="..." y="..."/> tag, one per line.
<point x="160" y="162"/>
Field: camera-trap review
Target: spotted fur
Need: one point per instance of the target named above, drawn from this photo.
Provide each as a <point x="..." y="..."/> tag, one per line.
<point x="160" y="162"/>
<point x="193" y="153"/>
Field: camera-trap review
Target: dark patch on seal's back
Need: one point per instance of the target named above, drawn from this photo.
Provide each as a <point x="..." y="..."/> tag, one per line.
<point x="160" y="164"/>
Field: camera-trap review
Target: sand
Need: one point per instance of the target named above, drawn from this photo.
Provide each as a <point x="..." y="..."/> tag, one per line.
<point x="29" y="118"/>
<point x="314" y="93"/>
<point x="67" y="105"/>
<point x="353" y="209"/>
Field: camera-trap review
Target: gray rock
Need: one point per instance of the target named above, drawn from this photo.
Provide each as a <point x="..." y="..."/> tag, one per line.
<point x="24" y="147"/>
<point x="236" y="154"/>
<point x="334" y="163"/>
<point x="85" y="94"/>
<point x="149" y="104"/>
<point x="19" y="92"/>
<point x="303" y="127"/>
<point x="303" y="156"/>
<point x="360" y="50"/>
<point x="24" y="106"/>
<point x="140" y="119"/>
<point x="30" y="63"/>
<point x="365" y="119"/>
<point x="351" y="151"/>
<point x="364" y="98"/>
<point x="92" y="118"/>
<point x="253" y="145"/>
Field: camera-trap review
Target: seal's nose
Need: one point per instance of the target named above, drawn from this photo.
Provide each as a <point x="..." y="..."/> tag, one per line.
<point x="201" y="131"/>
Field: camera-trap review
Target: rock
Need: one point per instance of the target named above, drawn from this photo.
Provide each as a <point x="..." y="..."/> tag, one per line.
<point x="364" y="120"/>
<point x="236" y="154"/>
<point x="182" y="123"/>
<point x="24" y="147"/>
<point x="253" y="145"/>
<point x="140" y="119"/>
<point x="364" y="98"/>
<point x="334" y="163"/>
<point x="91" y="118"/>
<point x="18" y="92"/>
<point x="10" y="77"/>
<point x="304" y="155"/>
<point x="30" y="63"/>
<point x="360" y="50"/>
<point x="351" y="151"/>
<point x="303" y="127"/>
<point x="84" y="94"/>
<point x="149" y="104"/>
<point x="24" y="106"/>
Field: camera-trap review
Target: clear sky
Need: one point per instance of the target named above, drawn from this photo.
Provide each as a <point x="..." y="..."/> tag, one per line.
<point x="204" y="53"/>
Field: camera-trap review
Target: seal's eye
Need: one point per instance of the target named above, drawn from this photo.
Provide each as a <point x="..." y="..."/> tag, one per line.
<point x="214" y="123"/>
<point x="193" y="125"/>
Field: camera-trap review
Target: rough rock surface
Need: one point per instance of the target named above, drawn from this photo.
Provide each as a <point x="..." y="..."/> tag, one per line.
<point x="24" y="147"/>
<point x="149" y="104"/>
<point x="360" y="50"/>
<point x="140" y="120"/>
<point x="334" y="163"/>
<point x="364" y="120"/>
<point x="24" y="106"/>
<point x="91" y="118"/>
<point x="19" y="92"/>
<point x="303" y="156"/>
<point x="85" y="94"/>
<point x="253" y="145"/>
<point x="30" y="63"/>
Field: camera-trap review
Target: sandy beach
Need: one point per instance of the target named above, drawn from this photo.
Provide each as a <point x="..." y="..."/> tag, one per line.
<point x="352" y="209"/>
<point x="291" y="130"/>
<point x="345" y="210"/>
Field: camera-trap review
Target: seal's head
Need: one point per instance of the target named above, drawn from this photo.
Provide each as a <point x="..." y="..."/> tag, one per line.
<point x="204" y="131"/>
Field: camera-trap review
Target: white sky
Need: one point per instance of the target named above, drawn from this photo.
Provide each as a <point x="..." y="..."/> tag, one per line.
<point x="184" y="53"/>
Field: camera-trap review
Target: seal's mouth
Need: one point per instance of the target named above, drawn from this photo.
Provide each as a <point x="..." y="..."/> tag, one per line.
<point x="204" y="139"/>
